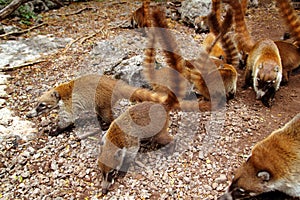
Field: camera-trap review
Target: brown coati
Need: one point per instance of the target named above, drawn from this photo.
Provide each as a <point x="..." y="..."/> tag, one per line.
<point x="263" y="66"/>
<point x="89" y="92"/>
<point x="143" y="121"/>
<point x="274" y="165"/>
<point x="264" y="70"/>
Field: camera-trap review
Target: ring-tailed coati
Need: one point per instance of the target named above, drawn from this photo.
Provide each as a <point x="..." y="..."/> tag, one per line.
<point x="143" y="121"/>
<point x="263" y="66"/>
<point x="88" y="92"/>
<point x="274" y="164"/>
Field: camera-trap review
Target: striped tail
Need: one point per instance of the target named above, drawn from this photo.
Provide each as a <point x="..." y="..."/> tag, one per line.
<point x="291" y="18"/>
<point x="245" y="41"/>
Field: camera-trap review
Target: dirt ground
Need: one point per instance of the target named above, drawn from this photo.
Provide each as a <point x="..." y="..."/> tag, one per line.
<point x="253" y="121"/>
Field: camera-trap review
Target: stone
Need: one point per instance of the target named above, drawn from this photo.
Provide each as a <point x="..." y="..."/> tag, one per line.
<point x="194" y="8"/>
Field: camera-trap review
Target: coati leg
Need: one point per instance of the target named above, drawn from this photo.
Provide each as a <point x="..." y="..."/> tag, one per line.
<point x="105" y="121"/>
<point x="248" y="79"/>
<point x="103" y="124"/>
<point x="65" y="121"/>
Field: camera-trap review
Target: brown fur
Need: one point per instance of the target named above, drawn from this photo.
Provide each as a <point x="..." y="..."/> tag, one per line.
<point x="264" y="69"/>
<point x="98" y="92"/>
<point x="138" y="17"/>
<point x="273" y="165"/>
<point x="144" y="121"/>
<point x="290" y="58"/>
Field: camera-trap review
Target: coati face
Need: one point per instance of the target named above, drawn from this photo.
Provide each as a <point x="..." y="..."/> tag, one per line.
<point x="201" y="24"/>
<point x="47" y="102"/>
<point x="110" y="161"/>
<point x="248" y="181"/>
<point x="266" y="76"/>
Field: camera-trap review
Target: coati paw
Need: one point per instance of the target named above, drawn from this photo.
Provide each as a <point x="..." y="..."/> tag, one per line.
<point x="170" y="148"/>
<point x="58" y="130"/>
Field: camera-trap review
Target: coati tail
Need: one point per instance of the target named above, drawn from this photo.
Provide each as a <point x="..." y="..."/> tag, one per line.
<point x="228" y="45"/>
<point x="245" y="41"/>
<point x="216" y="8"/>
<point x="291" y="18"/>
<point x="171" y="51"/>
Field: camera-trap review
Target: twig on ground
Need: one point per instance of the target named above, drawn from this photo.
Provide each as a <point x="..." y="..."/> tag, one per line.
<point x="15" y="33"/>
<point x="21" y="65"/>
<point x="76" y="12"/>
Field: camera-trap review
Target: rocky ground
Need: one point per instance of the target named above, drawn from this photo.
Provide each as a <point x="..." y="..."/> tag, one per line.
<point x="210" y="145"/>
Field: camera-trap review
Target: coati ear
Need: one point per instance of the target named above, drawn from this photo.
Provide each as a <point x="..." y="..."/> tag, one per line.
<point x="264" y="175"/>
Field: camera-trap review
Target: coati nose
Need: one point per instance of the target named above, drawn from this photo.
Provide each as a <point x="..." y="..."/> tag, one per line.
<point x="31" y="114"/>
<point x="225" y="197"/>
<point x="104" y="190"/>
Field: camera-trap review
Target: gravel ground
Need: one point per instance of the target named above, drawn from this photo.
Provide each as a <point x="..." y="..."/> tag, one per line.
<point x="209" y="149"/>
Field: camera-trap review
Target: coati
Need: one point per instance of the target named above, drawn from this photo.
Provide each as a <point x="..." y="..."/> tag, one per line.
<point x="88" y="92"/>
<point x="264" y="69"/>
<point x="223" y="34"/>
<point x="263" y="66"/>
<point x="143" y="121"/>
<point x="274" y="164"/>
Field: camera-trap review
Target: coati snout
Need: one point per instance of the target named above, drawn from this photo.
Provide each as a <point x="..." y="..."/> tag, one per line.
<point x="47" y="102"/>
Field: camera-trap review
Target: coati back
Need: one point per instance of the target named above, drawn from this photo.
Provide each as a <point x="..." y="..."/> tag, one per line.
<point x="274" y="164"/>
<point x="290" y="58"/>
<point x="89" y="92"/>
<point x="143" y="121"/>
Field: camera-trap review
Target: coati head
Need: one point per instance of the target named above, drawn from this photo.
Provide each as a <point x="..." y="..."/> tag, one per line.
<point x="201" y="24"/>
<point x="112" y="160"/>
<point x="249" y="180"/>
<point x="47" y="102"/>
<point x="266" y="76"/>
<point x="272" y="166"/>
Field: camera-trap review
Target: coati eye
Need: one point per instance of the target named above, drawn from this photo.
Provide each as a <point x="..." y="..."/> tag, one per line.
<point x="111" y="175"/>
<point x="42" y="106"/>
